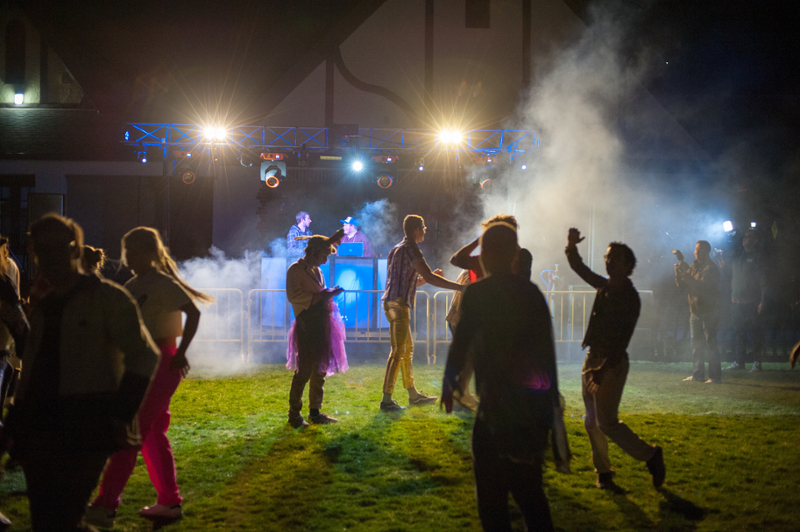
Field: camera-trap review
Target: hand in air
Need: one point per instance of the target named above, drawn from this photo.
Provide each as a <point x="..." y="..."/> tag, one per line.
<point x="574" y="237"/>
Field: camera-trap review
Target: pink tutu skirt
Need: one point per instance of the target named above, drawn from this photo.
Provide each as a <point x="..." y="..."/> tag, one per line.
<point x="325" y="337"/>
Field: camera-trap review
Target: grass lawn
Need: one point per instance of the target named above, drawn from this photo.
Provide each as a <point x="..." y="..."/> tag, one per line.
<point x="731" y="452"/>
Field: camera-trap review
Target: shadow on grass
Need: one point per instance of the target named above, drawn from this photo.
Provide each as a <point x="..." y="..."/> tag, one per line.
<point x="678" y="513"/>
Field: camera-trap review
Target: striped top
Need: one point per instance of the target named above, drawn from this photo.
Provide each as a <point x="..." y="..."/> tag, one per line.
<point x="401" y="277"/>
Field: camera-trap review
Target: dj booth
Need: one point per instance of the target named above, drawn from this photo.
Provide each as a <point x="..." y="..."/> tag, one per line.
<point x="360" y="304"/>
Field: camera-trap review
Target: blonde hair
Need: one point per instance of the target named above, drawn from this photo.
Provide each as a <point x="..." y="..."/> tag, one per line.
<point x="146" y="239"/>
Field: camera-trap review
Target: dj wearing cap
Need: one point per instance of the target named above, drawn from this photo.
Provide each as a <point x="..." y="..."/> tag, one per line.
<point x="353" y="236"/>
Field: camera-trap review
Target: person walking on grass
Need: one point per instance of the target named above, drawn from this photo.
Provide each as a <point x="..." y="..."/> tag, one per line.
<point x="406" y="270"/>
<point x="505" y="331"/>
<point x="163" y="297"/>
<point x="88" y="363"/>
<point x="316" y="338"/>
<point x="611" y="325"/>
<point x="702" y="282"/>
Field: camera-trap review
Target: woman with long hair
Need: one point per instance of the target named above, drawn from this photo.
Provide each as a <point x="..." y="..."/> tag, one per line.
<point x="162" y="296"/>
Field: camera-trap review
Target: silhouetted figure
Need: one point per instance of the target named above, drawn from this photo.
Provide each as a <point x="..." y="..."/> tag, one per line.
<point x="613" y="320"/>
<point x="748" y="297"/>
<point x="505" y="331"/>
<point x="88" y="363"/>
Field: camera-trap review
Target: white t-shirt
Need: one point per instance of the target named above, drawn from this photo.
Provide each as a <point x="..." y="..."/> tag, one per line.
<point x="160" y="299"/>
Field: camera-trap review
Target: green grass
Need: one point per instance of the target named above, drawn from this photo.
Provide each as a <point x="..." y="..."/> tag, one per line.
<point x="731" y="452"/>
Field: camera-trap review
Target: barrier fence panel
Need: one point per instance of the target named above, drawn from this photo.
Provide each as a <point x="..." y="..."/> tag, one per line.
<point x="569" y="310"/>
<point x="269" y="316"/>
<point x="223" y="320"/>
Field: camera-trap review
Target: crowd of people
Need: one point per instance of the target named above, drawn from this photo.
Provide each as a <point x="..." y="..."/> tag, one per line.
<point x="102" y="361"/>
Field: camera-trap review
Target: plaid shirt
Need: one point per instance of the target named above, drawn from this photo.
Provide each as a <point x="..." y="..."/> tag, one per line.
<point x="401" y="277"/>
<point x="297" y="247"/>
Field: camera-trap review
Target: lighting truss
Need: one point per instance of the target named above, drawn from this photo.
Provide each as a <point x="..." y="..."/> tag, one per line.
<point x="318" y="138"/>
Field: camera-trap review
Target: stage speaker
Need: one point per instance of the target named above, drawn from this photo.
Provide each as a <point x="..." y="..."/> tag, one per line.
<point x="40" y="204"/>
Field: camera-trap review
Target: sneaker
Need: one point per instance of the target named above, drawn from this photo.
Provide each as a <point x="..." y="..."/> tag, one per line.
<point x="159" y="511"/>
<point x="391" y="406"/>
<point x="713" y="381"/>
<point x="322" y="419"/>
<point x="735" y="366"/>
<point x="422" y="399"/>
<point x="756" y="367"/>
<point x="296" y="420"/>
<point x="99" y="516"/>
<point x="657" y="468"/>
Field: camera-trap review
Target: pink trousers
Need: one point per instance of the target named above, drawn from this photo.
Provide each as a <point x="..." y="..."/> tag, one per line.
<point x="154" y="418"/>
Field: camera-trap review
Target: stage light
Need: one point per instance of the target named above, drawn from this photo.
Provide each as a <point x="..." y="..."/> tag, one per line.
<point x="215" y="133"/>
<point x="358" y="166"/>
<point x="753" y="225"/>
<point x="450" y="136"/>
<point x="524" y="167"/>
<point x="267" y="156"/>
<point x="188" y="177"/>
<point x="727" y="226"/>
<point x="19" y="98"/>
<point x="385" y="181"/>
<point x="421" y="167"/>
<point x="144" y="158"/>
<point x="272" y="172"/>
<point x="486" y="184"/>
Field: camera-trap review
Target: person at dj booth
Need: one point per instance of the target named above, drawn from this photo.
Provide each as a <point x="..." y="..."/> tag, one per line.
<point x="353" y="236"/>
<point x="296" y="248"/>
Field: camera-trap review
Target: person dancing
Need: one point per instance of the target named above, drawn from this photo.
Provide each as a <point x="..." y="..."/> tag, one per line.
<point x="162" y="296"/>
<point x="613" y="320"/>
<point x="406" y="271"/>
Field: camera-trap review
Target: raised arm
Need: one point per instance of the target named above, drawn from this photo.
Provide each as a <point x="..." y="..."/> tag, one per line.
<point x="576" y="263"/>
<point x="463" y="257"/>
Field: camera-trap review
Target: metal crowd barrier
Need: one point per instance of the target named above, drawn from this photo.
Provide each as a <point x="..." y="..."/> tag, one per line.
<point x="223" y="320"/>
<point x="570" y="311"/>
<point x="269" y="318"/>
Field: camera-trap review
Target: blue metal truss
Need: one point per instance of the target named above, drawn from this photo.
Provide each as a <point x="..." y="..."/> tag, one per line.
<point x="319" y="138"/>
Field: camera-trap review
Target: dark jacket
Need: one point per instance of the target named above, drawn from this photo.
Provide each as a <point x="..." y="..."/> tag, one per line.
<point x="703" y="284"/>
<point x="614" y="313"/>
<point x="506" y="330"/>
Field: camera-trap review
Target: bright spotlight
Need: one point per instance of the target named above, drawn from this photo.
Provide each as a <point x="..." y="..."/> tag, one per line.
<point x="358" y="166"/>
<point x="144" y="158"/>
<point x="385" y="181"/>
<point x="19" y="98"/>
<point x="450" y="136"/>
<point x="524" y="167"/>
<point x="421" y="168"/>
<point x="215" y="133"/>
<point x="753" y="225"/>
<point x="727" y="226"/>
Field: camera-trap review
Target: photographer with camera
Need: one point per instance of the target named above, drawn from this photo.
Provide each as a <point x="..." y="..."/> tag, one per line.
<point x="702" y="281"/>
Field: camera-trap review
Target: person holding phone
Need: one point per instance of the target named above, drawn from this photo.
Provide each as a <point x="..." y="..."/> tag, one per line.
<point x="316" y="338"/>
